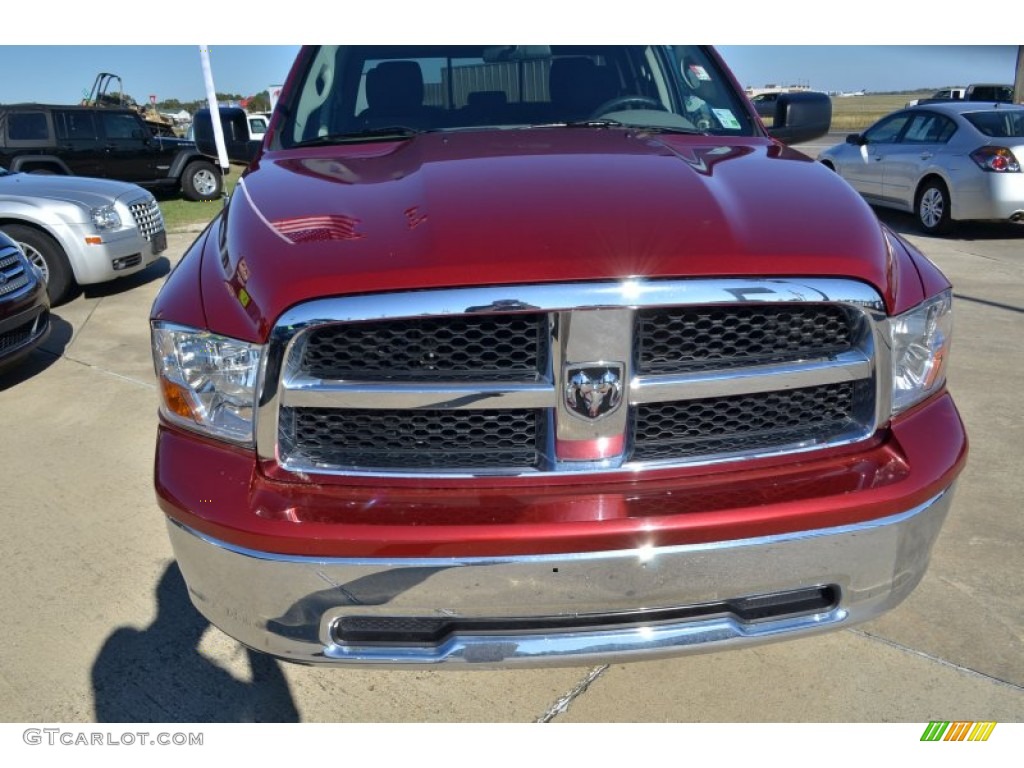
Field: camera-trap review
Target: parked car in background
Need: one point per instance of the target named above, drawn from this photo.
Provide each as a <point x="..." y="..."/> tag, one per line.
<point x="258" y="124"/>
<point x="106" y="143"/>
<point x="943" y="94"/>
<point x="80" y="231"/>
<point x="944" y="162"/>
<point x="242" y="132"/>
<point x="24" y="306"/>
<point x="994" y="93"/>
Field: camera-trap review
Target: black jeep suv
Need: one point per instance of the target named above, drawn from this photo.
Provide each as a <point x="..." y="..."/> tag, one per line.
<point x="103" y="142"/>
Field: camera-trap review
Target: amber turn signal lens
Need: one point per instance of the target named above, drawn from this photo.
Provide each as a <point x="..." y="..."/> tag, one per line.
<point x="176" y="399"/>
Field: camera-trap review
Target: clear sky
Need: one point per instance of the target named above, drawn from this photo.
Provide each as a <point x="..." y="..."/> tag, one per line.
<point x="64" y="74"/>
<point x="875" y="45"/>
<point x="872" y="68"/>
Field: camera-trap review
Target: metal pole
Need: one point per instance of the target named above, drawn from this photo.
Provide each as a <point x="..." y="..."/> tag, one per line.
<point x="211" y="100"/>
<point x="1018" y="81"/>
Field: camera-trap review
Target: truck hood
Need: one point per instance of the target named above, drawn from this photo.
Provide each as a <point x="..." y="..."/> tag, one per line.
<point x="526" y="206"/>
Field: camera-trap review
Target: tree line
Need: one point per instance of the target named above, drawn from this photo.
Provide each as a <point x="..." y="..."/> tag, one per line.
<point x="257" y="103"/>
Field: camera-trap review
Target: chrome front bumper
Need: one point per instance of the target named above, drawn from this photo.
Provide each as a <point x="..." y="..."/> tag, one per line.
<point x="564" y="609"/>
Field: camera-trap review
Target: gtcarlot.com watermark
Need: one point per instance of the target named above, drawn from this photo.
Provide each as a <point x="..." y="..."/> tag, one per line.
<point x="73" y="738"/>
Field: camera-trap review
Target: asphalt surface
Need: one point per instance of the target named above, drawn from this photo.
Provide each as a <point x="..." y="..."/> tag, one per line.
<point x="98" y="626"/>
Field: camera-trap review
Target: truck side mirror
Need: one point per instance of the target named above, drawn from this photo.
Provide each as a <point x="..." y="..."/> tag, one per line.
<point x="801" y="116"/>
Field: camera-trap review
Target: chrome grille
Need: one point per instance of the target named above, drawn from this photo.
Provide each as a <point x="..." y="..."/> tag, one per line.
<point x="148" y="217"/>
<point x="13" y="271"/>
<point x="496" y="380"/>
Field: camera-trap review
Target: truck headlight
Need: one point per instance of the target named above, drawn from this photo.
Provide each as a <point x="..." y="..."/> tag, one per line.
<point x="920" y="347"/>
<point x="207" y="382"/>
<point x="105" y="218"/>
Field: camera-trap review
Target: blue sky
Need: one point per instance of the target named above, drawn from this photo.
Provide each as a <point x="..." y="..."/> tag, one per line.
<point x="60" y="74"/>
<point x="874" y="68"/>
<point x="872" y="44"/>
<point x="63" y="74"/>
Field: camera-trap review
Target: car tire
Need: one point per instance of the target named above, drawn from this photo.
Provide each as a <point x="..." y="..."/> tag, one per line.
<point x="43" y="251"/>
<point x="932" y="208"/>
<point x="201" y="180"/>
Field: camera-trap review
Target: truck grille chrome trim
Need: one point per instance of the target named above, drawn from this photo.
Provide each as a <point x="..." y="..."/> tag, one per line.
<point x="442" y="383"/>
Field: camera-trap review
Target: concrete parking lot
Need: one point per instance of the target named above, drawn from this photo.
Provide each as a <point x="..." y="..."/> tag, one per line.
<point x="98" y="625"/>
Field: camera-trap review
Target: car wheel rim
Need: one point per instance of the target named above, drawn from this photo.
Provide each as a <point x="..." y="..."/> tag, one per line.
<point x="37" y="260"/>
<point x="205" y="182"/>
<point x="932" y="207"/>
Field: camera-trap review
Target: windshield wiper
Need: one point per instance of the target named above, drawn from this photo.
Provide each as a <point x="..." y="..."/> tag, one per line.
<point x="369" y="134"/>
<point x="597" y="122"/>
<point x="604" y="122"/>
<point x="672" y="129"/>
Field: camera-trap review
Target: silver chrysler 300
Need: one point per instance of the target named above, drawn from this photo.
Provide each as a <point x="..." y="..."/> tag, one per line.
<point x="80" y="231"/>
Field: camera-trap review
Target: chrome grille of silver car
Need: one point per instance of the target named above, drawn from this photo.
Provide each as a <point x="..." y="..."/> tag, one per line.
<point x="581" y="378"/>
<point x="148" y="217"/>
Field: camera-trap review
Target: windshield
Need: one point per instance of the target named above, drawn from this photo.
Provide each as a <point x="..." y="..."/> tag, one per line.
<point x="352" y="92"/>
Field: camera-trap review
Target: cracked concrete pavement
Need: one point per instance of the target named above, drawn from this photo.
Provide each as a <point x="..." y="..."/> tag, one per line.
<point x="99" y="626"/>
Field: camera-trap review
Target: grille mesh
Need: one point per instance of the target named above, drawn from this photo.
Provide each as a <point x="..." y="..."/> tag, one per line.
<point x="722" y="425"/>
<point x="493" y="348"/>
<point x="681" y="339"/>
<point x="397" y="439"/>
<point x="13" y="274"/>
<point x="148" y="218"/>
<point x="20" y="335"/>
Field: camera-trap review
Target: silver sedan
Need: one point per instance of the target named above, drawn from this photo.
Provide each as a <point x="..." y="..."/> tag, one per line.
<point x="942" y="162"/>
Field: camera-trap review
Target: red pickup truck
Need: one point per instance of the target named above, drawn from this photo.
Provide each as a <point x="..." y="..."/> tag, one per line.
<point x="510" y="355"/>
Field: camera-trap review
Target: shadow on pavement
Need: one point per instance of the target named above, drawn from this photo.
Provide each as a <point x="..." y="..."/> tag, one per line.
<point x="155" y="271"/>
<point x="905" y="224"/>
<point x="158" y="674"/>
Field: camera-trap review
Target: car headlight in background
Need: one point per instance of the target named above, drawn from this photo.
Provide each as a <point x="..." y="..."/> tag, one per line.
<point x="920" y="342"/>
<point x="207" y="382"/>
<point x="105" y="218"/>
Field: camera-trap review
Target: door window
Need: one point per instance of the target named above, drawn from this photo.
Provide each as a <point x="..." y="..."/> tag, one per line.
<point x="888" y="130"/>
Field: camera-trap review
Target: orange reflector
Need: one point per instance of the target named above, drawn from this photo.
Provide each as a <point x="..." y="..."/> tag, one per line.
<point x="94" y="240"/>
<point x="938" y="367"/>
<point x="176" y="399"/>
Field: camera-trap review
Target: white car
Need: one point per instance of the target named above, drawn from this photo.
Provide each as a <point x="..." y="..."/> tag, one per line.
<point x="258" y="122"/>
<point x="948" y="162"/>
<point x="80" y="231"/>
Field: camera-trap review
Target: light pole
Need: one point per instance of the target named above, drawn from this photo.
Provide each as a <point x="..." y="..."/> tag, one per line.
<point x="1018" y="80"/>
